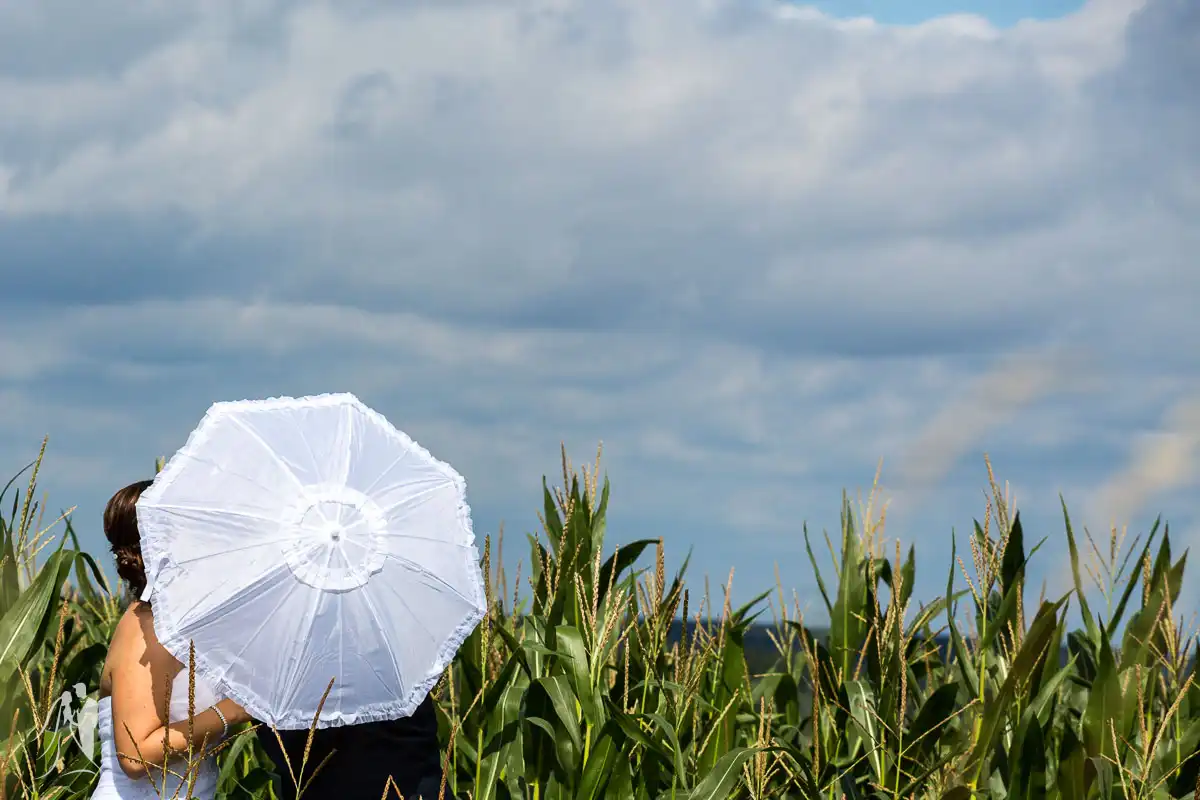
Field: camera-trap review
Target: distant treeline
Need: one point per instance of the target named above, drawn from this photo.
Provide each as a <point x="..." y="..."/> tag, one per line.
<point x="762" y="652"/>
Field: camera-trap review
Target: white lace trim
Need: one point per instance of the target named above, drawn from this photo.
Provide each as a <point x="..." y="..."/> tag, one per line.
<point x="165" y="625"/>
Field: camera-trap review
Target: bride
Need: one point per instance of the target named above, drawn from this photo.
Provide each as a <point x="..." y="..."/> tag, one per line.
<point x="135" y="715"/>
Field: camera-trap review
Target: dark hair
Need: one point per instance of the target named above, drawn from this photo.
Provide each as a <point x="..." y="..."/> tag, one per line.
<point x="120" y="526"/>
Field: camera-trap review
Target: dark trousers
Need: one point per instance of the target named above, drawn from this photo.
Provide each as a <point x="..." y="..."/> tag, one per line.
<point x="357" y="769"/>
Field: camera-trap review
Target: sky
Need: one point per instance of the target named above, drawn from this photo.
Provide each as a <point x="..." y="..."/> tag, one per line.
<point x="754" y="248"/>
<point x="1001" y="13"/>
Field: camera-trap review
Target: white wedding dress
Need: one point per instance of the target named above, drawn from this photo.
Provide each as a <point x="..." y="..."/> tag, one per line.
<point x="114" y="784"/>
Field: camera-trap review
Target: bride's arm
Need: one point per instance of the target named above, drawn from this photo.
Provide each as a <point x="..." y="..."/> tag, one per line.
<point x="140" y="721"/>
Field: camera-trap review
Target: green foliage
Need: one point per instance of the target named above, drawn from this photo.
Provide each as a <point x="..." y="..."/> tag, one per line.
<point x="579" y="688"/>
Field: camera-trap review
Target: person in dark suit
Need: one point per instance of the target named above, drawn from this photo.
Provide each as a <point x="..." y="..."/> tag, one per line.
<point x="364" y="757"/>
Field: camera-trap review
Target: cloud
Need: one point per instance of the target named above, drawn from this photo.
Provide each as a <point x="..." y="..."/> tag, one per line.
<point x="753" y="249"/>
<point x="1162" y="460"/>
<point x="992" y="398"/>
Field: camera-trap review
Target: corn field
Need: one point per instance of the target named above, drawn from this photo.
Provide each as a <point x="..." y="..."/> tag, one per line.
<point x="572" y="687"/>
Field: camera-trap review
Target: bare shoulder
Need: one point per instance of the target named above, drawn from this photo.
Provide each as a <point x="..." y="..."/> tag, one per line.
<point x="135" y="641"/>
<point x="126" y="647"/>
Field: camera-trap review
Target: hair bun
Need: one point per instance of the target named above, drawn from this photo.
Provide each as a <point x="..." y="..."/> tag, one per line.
<point x="131" y="569"/>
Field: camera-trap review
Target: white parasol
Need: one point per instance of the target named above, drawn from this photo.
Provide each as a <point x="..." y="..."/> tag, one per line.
<point x="295" y="540"/>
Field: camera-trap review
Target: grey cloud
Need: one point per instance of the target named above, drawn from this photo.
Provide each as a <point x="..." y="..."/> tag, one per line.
<point x="115" y="259"/>
<point x="1161" y="55"/>
<point x="58" y="39"/>
<point x="360" y="102"/>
